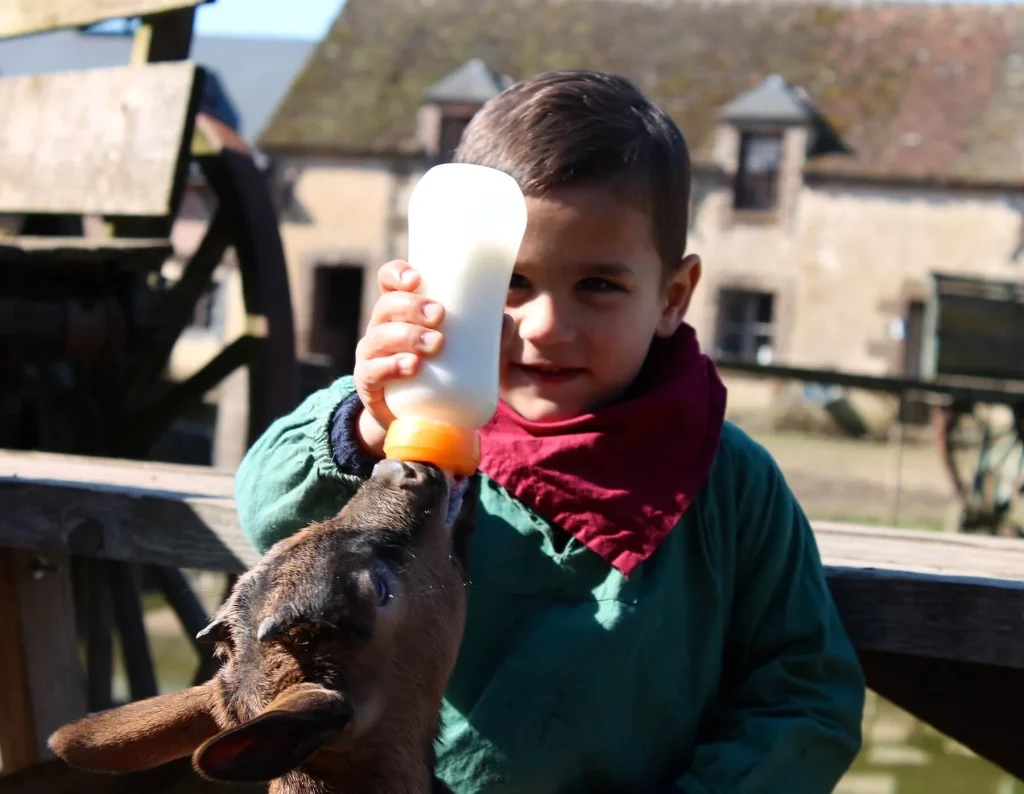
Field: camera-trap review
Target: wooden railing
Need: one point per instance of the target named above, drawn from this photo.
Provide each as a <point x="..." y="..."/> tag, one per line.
<point x="937" y="618"/>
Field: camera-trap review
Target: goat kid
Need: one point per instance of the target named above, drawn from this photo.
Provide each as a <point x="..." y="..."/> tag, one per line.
<point x="337" y="648"/>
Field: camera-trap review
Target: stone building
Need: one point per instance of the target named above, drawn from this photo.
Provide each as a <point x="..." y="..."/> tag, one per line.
<point x="842" y="153"/>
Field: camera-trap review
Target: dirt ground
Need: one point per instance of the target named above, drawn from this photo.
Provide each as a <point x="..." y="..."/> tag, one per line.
<point x="862" y="481"/>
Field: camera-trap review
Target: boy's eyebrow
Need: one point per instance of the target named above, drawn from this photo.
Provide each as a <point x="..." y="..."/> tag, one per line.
<point x="608" y="268"/>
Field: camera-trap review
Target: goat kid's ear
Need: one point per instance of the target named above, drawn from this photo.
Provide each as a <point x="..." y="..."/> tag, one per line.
<point x="139" y="735"/>
<point x="292" y="728"/>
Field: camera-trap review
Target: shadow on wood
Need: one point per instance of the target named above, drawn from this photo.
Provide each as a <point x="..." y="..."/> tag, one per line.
<point x="177" y="777"/>
<point x="978" y="705"/>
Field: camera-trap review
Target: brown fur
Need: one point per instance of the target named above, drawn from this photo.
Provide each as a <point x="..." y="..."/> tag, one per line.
<point x="324" y="687"/>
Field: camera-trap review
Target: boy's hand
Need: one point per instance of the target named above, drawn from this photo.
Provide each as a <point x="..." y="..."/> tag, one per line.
<point x="402" y="330"/>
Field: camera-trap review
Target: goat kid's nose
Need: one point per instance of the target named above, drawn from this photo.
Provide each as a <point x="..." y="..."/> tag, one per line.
<point x="398" y="472"/>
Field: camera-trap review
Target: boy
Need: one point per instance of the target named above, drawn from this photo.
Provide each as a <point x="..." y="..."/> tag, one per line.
<point x="647" y="610"/>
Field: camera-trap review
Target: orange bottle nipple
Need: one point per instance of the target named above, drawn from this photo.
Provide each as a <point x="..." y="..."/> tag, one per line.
<point x="447" y="446"/>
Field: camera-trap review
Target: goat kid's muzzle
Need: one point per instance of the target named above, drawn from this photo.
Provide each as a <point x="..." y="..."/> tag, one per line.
<point x="457" y="486"/>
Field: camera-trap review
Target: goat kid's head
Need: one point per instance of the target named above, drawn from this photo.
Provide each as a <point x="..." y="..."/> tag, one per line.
<point x="339" y="642"/>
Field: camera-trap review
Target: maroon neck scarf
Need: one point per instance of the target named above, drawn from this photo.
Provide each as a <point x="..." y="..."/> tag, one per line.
<point x="618" y="479"/>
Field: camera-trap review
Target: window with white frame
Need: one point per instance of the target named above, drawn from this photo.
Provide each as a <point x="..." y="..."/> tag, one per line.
<point x="757" y="177"/>
<point x="745" y="329"/>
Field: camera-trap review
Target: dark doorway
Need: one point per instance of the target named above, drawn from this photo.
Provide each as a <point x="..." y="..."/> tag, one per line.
<point x="337" y="300"/>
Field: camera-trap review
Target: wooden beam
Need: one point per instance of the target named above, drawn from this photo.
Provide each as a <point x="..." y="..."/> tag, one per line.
<point x="174" y="777"/>
<point x="937" y="595"/>
<point x="131" y="525"/>
<point x="978" y="705"/>
<point x="17" y="728"/>
<point x="111" y="141"/>
<point x="24" y="17"/>
<point x="85" y="251"/>
<point x="864" y="546"/>
<point x="35" y="598"/>
<point x="991" y="392"/>
<point x="164" y="37"/>
<point x="961" y="619"/>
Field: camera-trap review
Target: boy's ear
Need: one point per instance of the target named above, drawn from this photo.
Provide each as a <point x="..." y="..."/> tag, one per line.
<point x="139" y="735"/>
<point x="300" y="721"/>
<point x="679" y="290"/>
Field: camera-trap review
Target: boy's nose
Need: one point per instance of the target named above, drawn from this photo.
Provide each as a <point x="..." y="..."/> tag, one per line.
<point x="540" y="321"/>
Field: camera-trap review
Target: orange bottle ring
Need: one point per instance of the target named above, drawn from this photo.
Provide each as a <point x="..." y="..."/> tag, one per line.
<point x="447" y="446"/>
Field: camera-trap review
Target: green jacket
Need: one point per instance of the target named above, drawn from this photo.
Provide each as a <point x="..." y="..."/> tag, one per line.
<point x="719" y="666"/>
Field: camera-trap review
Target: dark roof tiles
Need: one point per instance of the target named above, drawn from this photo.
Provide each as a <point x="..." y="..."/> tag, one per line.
<point x="915" y="89"/>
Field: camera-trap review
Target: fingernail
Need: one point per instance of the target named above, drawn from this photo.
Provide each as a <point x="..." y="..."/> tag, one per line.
<point x="408" y="276"/>
<point x="430" y="341"/>
<point x="432" y="311"/>
<point x="406" y="364"/>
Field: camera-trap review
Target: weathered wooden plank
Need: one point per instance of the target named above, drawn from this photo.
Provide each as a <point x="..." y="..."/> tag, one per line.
<point x="968" y="390"/>
<point x="163" y="514"/>
<point x="86" y="471"/>
<point x="43" y="685"/>
<point x="847" y="545"/>
<point x="175" y="777"/>
<point x="49" y="639"/>
<point x="17" y="729"/>
<point x="164" y="37"/>
<point x="132" y="526"/>
<point x="978" y="705"/>
<point x="23" y="17"/>
<point x="968" y="620"/>
<point x="937" y="595"/>
<point x="110" y="141"/>
<point x="134" y="252"/>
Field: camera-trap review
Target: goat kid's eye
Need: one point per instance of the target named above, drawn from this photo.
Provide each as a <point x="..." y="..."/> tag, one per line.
<point x="383" y="591"/>
<point x="382" y="578"/>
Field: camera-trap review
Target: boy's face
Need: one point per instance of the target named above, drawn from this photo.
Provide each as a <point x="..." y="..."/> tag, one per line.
<point x="588" y="296"/>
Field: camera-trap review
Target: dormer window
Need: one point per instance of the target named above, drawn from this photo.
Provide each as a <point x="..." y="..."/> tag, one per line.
<point x="452" y="127"/>
<point x="756" y="184"/>
<point x="775" y="129"/>
<point x="450" y="104"/>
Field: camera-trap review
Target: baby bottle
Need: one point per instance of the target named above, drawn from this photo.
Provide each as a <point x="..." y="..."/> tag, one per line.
<point x="466" y="223"/>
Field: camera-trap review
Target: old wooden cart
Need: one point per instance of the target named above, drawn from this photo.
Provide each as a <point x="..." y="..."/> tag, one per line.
<point x="94" y="167"/>
<point x="971" y="353"/>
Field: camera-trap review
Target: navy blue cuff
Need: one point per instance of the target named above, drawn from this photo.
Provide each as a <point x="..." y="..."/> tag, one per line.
<point x="348" y="455"/>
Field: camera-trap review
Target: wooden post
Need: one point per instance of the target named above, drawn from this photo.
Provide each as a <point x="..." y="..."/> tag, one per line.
<point x="164" y="37"/>
<point x="42" y="686"/>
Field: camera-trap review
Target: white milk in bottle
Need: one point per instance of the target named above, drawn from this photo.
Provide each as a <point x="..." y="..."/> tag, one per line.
<point x="466" y="223"/>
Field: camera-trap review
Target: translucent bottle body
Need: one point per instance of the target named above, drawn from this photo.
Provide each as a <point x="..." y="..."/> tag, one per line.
<point x="466" y="223"/>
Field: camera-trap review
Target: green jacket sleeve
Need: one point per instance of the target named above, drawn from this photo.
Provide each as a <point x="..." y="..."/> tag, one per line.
<point x="289" y="478"/>
<point x="788" y="720"/>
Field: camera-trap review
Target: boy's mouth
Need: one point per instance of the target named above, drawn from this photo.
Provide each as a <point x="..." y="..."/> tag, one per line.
<point x="548" y="373"/>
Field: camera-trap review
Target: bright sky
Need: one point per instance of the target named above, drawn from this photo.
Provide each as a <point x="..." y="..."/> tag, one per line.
<point x="305" y="19"/>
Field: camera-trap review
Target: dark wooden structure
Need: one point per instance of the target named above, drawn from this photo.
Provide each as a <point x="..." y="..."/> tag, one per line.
<point x="937" y="618"/>
<point x="971" y="354"/>
<point x="96" y="163"/>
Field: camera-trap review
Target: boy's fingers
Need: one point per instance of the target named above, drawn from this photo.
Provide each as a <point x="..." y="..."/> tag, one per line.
<point x="397" y="275"/>
<point x="397" y="337"/>
<point x="373" y="374"/>
<point x="406" y="307"/>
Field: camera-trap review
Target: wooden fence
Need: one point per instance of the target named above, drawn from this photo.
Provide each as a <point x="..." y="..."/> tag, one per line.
<point x="937" y="618"/>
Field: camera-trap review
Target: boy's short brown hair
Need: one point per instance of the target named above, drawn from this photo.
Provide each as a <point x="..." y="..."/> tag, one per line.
<point x="585" y="127"/>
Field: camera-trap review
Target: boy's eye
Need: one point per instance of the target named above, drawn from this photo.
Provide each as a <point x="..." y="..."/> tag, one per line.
<point x="518" y="282"/>
<point x="596" y="284"/>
